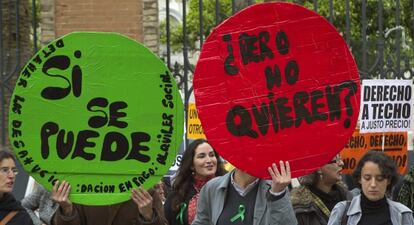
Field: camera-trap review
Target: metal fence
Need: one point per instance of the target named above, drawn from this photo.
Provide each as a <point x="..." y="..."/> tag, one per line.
<point x="18" y="41"/>
<point x="379" y="33"/>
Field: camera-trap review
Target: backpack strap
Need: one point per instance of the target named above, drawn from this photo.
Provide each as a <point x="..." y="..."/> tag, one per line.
<point x="8" y="217"/>
<point x="344" y="219"/>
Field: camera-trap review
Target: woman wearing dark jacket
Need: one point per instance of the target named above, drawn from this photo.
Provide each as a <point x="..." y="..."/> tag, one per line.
<point x="10" y="209"/>
<point x="199" y="164"/>
<point x="319" y="193"/>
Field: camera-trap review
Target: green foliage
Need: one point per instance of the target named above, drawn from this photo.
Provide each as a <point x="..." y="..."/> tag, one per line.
<point x="193" y="24"/>
<point x="375" y="41"/>
<point x="176" y="36"/>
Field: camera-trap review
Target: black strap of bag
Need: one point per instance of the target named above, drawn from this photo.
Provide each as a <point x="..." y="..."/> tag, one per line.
<point x="344" y="219"/>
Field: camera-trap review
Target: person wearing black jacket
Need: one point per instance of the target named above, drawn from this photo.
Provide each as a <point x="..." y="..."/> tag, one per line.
<point x="8" y="204"/>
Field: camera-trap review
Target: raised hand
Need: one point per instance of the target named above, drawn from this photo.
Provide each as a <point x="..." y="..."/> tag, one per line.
<point x="280" y="180"/>
<point x="143" y="199"/>
<point x="60" y="194"/>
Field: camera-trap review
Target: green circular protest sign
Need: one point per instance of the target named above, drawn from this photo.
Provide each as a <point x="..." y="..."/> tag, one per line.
<point x="98" y="110"/>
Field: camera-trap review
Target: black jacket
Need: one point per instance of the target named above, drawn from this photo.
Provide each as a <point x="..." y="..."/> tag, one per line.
<point x="169" y="212"/>
<point x="7" y="204"/>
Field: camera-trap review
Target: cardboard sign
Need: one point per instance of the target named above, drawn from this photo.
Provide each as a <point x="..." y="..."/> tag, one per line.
<point x="177" y="162"/>
<point x="194" y="128"/>
<point x="386" y="106"/>
<point x="98" y="110"/>
<point x="277" y="82"/>
<point x="394" y="144"/>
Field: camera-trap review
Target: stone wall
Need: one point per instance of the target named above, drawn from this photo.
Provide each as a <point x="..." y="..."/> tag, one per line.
<point x="151" y="25"/>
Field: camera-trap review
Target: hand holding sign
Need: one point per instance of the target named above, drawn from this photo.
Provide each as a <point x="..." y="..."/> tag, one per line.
<point x="280" y="180"/>
<point x="60" y="194"/>
<point x="144" y="201"/>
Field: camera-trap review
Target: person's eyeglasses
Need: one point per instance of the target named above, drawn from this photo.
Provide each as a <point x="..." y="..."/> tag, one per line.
<point x="336" y="160"/>
<point x="7" y="170"/>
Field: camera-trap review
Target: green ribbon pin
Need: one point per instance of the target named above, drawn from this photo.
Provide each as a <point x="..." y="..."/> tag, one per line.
<point x="180" y="215"/>
<point x="240" y="214"/>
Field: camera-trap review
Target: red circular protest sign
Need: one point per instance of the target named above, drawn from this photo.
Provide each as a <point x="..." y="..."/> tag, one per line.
<point x="277" y="82"/>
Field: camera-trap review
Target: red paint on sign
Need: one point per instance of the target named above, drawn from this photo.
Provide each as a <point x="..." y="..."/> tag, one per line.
<point x="277" y="82"/>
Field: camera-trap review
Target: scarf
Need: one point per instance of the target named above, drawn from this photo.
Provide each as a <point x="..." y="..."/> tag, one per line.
<point x="326" y="201"/>
<point x="192" y="205"/>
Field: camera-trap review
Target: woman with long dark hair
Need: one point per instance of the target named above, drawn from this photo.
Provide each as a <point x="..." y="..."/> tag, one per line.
<point x="199" y="164"/>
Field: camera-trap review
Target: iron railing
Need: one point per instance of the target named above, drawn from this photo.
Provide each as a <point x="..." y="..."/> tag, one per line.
<point x="376" y="59"/>
<point x="388" y="56"/>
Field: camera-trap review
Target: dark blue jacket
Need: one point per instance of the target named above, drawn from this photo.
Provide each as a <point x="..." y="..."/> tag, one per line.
<point x="7" y="204"/>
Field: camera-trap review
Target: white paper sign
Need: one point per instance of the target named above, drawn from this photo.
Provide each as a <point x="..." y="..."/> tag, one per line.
<point x="386" y="106"/>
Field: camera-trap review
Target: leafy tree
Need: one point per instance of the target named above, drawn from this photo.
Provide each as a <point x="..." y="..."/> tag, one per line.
<point x="193" y="24"/>
<point x="381" y="48"/>
<point x="378" y="44"/>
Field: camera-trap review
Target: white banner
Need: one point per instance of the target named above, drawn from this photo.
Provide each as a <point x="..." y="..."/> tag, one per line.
<point x="386" y="106"/>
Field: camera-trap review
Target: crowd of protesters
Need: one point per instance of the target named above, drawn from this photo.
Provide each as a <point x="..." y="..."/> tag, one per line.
<point x="204" y="193"/>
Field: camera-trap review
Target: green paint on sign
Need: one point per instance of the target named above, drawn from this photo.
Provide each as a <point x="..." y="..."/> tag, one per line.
<point x="100" y="111"/>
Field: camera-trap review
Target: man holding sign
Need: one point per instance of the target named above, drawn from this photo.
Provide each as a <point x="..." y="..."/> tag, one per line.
<point x="282" y="86"/>
<point x="240" y="198"/>
<point x="264" y="89"/>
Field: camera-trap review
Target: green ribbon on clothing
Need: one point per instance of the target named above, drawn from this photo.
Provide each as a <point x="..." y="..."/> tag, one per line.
<point x="240" y="214"/>
<point x="180" y="215"/>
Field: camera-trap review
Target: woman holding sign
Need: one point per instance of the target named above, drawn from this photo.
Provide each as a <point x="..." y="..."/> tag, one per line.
<point x="319" y="193"/>
<point x="375" y="174"/>
<point x="200" y="163"/>
<point x="11" y="212"/>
